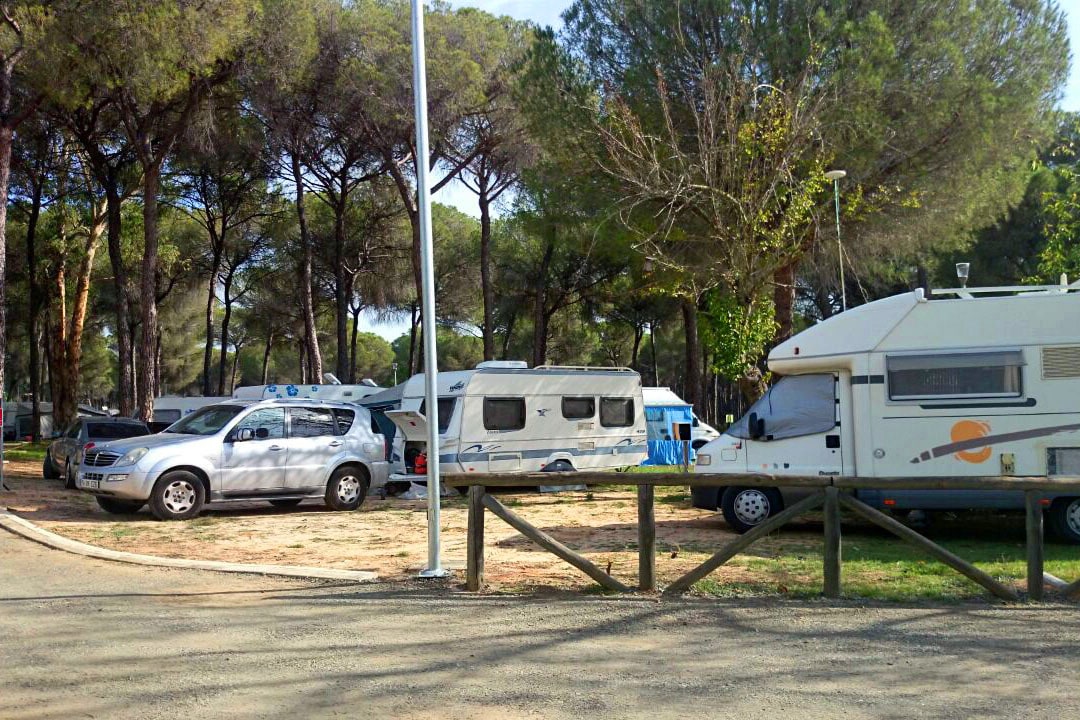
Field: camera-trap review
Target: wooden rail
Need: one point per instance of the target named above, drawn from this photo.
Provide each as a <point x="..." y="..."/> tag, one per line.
<point x="833" y="492"/>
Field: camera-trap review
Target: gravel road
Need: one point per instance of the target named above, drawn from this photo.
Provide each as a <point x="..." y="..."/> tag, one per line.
<point x="84" y="638"/>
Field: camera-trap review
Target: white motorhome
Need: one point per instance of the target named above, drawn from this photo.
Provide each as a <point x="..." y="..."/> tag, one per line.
<point x="506" y="417"/>
<point x="974" y="382"/>
<point x="331" y="392"/>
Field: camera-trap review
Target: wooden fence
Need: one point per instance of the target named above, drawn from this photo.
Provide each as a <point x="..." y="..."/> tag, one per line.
<point x="827" y="492"/>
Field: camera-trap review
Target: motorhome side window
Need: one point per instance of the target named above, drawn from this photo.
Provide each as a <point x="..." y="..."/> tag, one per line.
<point x="504" y="413"/>
<point x="955" y="375"/>
<point x="616" y="412"/>
<point x="578" y="408"/>
<point x="446" y="411"/>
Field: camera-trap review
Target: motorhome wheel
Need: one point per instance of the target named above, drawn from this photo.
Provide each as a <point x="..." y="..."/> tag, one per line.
<point x="743" y="508"/>
<point x="1065" y="519"/>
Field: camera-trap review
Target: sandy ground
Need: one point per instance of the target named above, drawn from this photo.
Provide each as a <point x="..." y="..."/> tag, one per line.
<point x="389" y="536"/>
<point x="83" y="638"/>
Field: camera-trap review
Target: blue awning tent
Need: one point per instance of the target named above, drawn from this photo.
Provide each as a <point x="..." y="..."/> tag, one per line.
<point x="661" y="422"/>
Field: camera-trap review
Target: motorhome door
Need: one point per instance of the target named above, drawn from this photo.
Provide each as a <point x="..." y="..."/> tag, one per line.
<point x="802" y="428"/>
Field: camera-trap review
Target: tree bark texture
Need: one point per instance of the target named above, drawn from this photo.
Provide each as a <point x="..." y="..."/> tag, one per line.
<point x="148" y="293"/>
<point x="486" y="284"/>
<point x="307" y="304"/>
<point x="693" y="354"/>
<point x="125" y="376"/>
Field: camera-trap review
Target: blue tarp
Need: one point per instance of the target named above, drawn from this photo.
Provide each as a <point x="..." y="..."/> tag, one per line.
<point x="660" y="422"/>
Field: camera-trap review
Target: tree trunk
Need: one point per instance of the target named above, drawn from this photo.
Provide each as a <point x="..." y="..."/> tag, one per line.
<point x="307" y="302"/>
<point x="126" y="377"/>
<point x="652" y="343"/>
<point x="225" y="319"/>
<point x="69" y="403"/>
<point x="508" y="335"/>
<point x="693" y="354"/>
<point x="784" y="302"/>
<point x="485" y="272"/>
<point x="58" y="337"/>
<point x="148" y="293"/>
<point x="413" y="322"/>
<point x="211" y="300"/>
<point x="5" y="178"/>
<point x="540" y="314"/>
<point x="266" y="355"/>
<point x="304" y="354"/>
<point x="34" y="309"/>
<point x="341" y="285"/>
<point x="235" y="364"/>
<point x="352" y="344"/>
<point x="639" y="335"/>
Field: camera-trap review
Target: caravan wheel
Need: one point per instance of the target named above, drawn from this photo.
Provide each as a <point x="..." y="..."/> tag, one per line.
<point x="559" y="466"/>
<point x="745" y="508"/>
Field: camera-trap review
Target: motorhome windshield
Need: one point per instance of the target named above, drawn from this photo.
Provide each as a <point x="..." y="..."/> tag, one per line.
<point x="796" y="405"/>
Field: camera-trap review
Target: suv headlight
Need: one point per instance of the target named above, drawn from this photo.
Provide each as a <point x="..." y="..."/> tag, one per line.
<point x="132" y="457"/>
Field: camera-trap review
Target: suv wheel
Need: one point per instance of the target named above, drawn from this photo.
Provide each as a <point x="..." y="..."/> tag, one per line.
<point x="48" y="470"/>
<point x="177" y="495"/>
<point x="119" y="507"/>
<point x="347" y="488"/>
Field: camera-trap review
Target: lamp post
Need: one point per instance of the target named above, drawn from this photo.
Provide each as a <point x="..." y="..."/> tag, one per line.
<point x="434" y="567"/>
<point x="835" y="176"/>
<point x="394" y="366"/>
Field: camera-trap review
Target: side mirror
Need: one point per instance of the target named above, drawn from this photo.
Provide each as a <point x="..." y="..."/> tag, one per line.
<point x="244" y="434"/>
<point x="757" y="426"/>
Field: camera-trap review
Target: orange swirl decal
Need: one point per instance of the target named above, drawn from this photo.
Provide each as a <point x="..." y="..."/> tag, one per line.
<point x="971" y="441"/>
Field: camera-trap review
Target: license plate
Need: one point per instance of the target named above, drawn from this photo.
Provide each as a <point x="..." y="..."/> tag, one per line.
<point x="90" y="484"/>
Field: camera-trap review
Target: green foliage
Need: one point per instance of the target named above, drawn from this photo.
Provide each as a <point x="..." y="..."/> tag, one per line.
<point x="735" y="333"/>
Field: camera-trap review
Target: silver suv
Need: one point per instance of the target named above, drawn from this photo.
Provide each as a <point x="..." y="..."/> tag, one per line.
<point x="283" y="451"/>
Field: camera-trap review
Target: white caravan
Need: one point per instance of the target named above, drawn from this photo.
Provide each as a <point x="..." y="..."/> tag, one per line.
<point x="332" y="392"/>
<point x="975" y="382"/>
<point x="700" y="433"/>
<point x="507" y="417"/>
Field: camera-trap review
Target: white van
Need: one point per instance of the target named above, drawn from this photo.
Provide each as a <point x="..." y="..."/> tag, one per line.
<point x="660" y="397"/>
<point x="507" y="417"/>
<point x="976" y="382"/>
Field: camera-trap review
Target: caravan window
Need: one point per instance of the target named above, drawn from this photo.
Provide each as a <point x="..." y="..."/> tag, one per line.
<point x="796" y="405"/>
<point x="504" y="413"/>
<point x="578" y="408"/>
<point x="617" y="412"/>
<point x="446" y="412"/>
<point x="955" y="375"/>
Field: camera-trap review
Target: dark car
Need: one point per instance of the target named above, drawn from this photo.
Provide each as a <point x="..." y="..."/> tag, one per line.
<point x="65" y="451"/>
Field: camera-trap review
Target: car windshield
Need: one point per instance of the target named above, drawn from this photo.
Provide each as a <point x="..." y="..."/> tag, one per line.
<point x="205" y="421"/>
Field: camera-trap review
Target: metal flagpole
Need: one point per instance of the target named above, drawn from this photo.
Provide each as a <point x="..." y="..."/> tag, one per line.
<point x="431" y="377"/>
<point x="836" y="176"/>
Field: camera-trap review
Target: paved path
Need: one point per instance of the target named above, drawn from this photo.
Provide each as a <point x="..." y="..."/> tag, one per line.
<point x="83" y="638"/>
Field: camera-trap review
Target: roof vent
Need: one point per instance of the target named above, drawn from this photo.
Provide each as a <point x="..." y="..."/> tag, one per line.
<point x="1061" y="362"/>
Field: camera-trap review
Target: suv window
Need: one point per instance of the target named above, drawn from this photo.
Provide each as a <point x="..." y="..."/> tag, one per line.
<point x="114" y="431"/>
<point x="73" y="431"/>
<point x="311" y="422"/>
<point x="268" y="423"/>
<point x="344" y="420"/>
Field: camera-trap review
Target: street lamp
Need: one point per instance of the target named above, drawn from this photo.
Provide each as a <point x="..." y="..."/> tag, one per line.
<point x="434" y="567"/>
<point x="394" y="365"/>
<point x="835" y="176"/>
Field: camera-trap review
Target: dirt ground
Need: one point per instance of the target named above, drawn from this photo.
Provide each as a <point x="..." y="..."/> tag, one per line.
<point x="389" y="536"/>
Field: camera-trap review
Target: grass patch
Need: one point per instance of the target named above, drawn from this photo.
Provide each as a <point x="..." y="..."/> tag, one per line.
<point x="878" y="566"/>
<point x="26" y="451"/>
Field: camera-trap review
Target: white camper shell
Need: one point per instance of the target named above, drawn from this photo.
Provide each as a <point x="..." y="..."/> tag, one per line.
<point x="975" y="382"/>
<point x="315" y="391"/>
<point x="700" y="432"/>
<point x="507" y="417"/>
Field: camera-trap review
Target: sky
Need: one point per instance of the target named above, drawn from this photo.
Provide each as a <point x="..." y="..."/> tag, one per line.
<point x="547" y="12"/>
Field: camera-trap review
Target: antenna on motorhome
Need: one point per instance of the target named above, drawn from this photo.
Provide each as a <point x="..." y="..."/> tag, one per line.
<point x="835" y="176"/>
<point x="962" y="272"/>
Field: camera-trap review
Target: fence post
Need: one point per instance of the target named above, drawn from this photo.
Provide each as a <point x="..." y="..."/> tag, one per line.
<point x="646" y="538"/>
<point x="832" y="542"/>
<point x="474" y="573"/>
<point x="1033" y="505"/>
